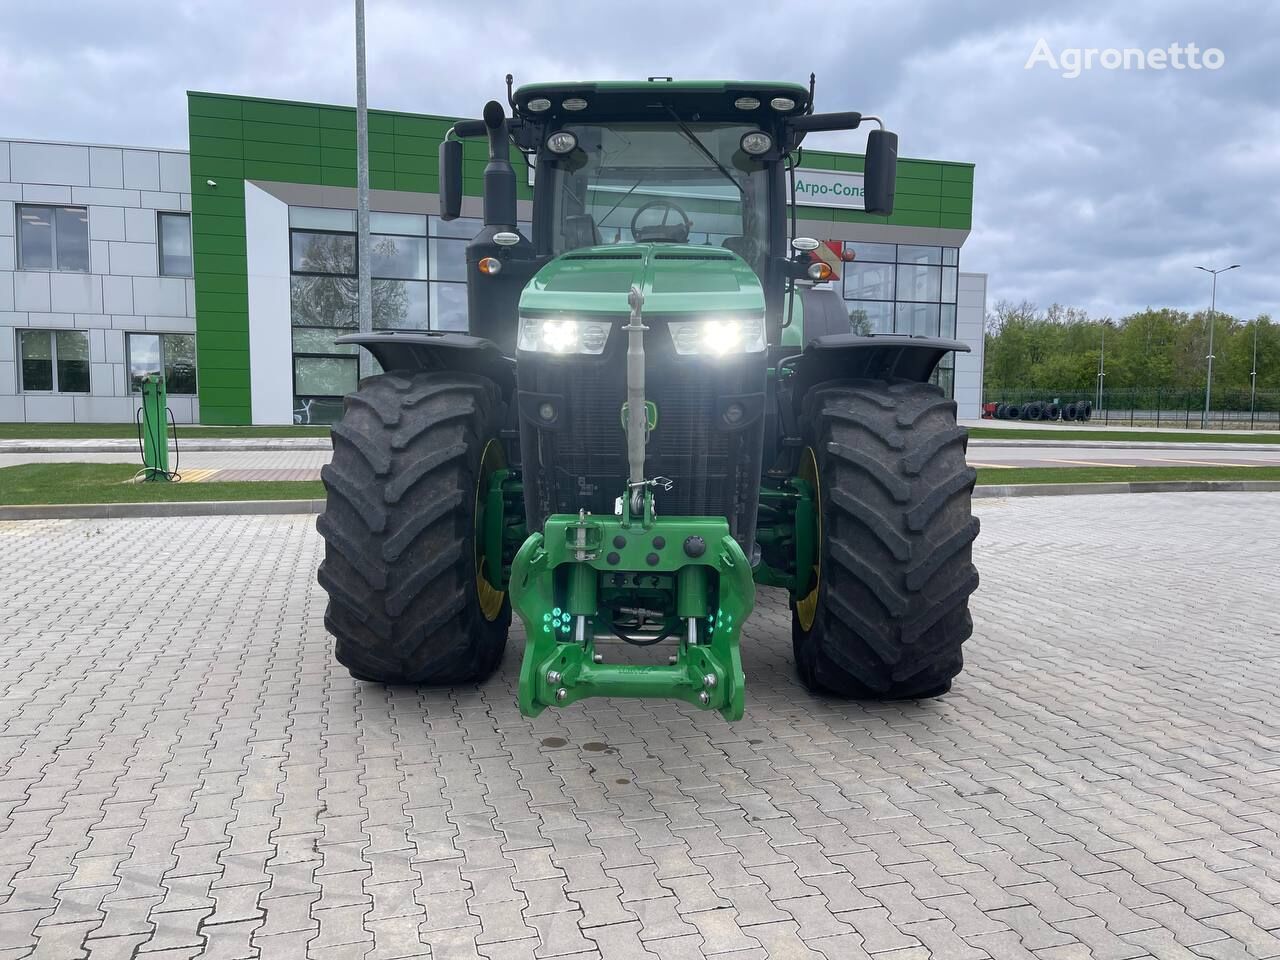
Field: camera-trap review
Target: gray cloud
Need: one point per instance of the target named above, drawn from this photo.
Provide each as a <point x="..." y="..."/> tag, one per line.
<point x="1101" y="191"/>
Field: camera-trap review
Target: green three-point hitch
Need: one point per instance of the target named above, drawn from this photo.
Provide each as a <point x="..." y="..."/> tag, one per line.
<point x="691" y="572"/>
<point x="658" y="404"/>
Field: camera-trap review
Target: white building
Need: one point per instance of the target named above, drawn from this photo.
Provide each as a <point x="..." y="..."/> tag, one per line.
<point x="95" y="280"/>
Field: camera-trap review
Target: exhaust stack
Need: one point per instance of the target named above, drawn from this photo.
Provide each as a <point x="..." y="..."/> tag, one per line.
<point x="499" y="175"/>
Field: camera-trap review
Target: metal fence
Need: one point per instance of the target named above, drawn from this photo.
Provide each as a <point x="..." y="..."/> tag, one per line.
<point x="1154" y="407"/>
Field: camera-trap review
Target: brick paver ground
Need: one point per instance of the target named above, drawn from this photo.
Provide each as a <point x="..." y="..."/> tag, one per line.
<point x="184" y="771"/>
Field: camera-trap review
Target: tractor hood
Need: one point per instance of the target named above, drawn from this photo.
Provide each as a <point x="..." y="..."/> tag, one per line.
<point x="674" y="278"/>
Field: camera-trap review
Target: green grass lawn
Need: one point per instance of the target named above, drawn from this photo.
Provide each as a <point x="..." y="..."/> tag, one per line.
<point x="106" y="431"/>
<point x="109" y="483"/>
<point x="1011" y="475"/>
<point x="1120" y="436"/>
<point x="113" y="431"/>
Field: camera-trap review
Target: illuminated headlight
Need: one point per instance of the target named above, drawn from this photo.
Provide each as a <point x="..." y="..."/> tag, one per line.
<point x="756" y="142"/>
<point x="560" y="335"/>
<point x="717" y="338"/>
<point x="561" y="142"/>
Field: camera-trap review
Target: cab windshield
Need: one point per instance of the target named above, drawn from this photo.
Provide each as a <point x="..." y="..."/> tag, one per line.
<point x="650" y="182"/>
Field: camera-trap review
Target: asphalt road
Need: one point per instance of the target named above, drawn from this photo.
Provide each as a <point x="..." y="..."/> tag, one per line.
<point x="1121" y="455"/>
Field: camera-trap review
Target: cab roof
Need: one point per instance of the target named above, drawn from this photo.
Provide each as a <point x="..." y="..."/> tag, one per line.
<point x="639" y="100"/>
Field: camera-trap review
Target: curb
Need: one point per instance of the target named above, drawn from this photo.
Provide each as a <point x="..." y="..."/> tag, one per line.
<point x="996" y="491"/>
<point x="981" y="442"/>
<point x="240" y="508"/>
<point x="322" y="443"/>
<point x="195" y="508"/>
<point x="188" y="446"/>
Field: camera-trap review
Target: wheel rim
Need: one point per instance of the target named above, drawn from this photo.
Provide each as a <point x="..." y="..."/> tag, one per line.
<point x="807" y="607"/>
<point x="489" y="596"/>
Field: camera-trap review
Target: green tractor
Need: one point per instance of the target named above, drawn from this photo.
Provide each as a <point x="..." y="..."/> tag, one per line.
<point x="656" y="406"/>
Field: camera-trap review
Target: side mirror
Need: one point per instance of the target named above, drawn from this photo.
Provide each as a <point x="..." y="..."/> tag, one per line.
<point x="881" y="173"/>
<point x="450" y="179"/>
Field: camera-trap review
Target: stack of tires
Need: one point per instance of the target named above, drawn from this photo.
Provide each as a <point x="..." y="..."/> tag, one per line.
<point x="1038" y="410"/>
<point x="1081" y="410"/>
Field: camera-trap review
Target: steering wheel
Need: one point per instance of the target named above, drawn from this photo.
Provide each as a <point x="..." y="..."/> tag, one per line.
<point x="672" y="233"/>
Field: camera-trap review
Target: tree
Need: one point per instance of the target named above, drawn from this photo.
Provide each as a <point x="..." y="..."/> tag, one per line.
<point x="860" y="322"/>
<point x="1158" y="353"/>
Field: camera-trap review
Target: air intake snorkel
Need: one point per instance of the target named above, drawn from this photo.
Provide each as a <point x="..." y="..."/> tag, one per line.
<point x="499" y="175"/>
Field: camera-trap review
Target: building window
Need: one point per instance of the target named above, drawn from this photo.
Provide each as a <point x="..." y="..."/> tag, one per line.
<point x="870" y="316"/>
<point x="323" y="296"/>
<point x="871" y="252"/>
<point x="906" y="289"/>
<point x="53" y="238"/>
<point x="419" y="271"/>
<point x="54" y="361"/>
<point x="174" y="232"/>
<point x="868" y="281"/>
<point x="172" y="355"/>
<point x="919" y="283"/>
<point x="398" y="267"/>
<point x="944" y="374"/>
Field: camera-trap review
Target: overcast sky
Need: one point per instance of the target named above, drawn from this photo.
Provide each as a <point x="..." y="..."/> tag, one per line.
<point x="1101" y="191"/>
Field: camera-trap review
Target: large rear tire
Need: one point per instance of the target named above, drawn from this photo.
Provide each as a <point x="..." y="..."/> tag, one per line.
<point x="407" y="602"/>
<point x="891" y="607"/>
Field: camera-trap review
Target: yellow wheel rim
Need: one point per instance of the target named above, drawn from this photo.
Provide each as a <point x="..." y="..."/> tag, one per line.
<point x="807" y="607"/>
<point x="490" y="597"/>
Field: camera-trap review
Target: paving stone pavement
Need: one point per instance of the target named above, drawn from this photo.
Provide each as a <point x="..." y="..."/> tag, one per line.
<point x="184" y="771"/>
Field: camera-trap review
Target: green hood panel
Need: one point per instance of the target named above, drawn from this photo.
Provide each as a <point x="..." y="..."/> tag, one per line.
<point x="675" y="279"/>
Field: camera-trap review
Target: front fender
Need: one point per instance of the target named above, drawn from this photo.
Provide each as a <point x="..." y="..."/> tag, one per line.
<point x="438" y="350"/>
<point x="889" y="356"/>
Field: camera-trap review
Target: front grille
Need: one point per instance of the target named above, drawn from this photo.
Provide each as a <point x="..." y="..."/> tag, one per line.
<point x="591" y="454"/>
<point x="686" y="446"/>
<point x="583" y="465"/>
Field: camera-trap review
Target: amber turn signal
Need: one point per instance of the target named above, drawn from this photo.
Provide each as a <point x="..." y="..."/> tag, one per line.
<point x="490" y="265"/>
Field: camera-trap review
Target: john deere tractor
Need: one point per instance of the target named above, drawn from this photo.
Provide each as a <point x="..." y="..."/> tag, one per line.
<point x="657" y="405"/>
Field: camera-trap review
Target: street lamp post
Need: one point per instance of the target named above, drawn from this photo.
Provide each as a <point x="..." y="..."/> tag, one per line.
<point x="364" y="284"/>
<point x="1102" y="368"/>
<point x="1253" y="373"/>
<point x="1213" y="299"/>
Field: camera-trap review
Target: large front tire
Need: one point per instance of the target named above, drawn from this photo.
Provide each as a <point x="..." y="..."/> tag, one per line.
<point x="890" y="610"/>
<point x="407" y="602"/>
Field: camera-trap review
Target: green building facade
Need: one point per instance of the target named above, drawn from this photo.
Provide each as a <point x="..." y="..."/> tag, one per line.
<point x="273" y="187"/>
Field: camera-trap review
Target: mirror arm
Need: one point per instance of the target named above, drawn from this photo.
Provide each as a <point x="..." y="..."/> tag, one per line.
<point x="791" y="280"/>
<point x="466" y="128"/>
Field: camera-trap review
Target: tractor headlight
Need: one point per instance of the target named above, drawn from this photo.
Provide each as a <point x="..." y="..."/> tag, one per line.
<point x="561" y="142"/>
<point x="717" y="337"/>
<point x="563" y="335"/>
<point x="756" y="143"/>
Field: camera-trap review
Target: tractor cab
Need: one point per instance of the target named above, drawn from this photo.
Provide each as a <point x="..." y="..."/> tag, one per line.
<point x="663" y="162"/>
<point x="699" y="163"/>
